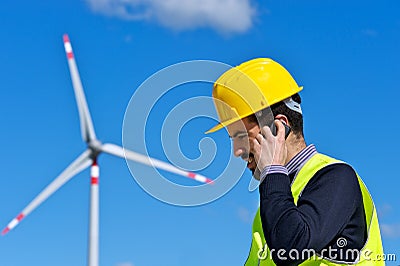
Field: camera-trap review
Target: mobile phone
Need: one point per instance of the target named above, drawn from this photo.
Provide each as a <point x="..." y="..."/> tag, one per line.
<point x="287" y="129"/>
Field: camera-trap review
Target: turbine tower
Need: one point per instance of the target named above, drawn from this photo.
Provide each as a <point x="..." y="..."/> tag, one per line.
<point x="89" y="158"/>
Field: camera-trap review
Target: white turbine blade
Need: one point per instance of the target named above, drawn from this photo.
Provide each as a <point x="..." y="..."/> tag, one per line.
<point x="87" y="128"/>
<point x="137" y="157"/>
<point x="81" y="163"/>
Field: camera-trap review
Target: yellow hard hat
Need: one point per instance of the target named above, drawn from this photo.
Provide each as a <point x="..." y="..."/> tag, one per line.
<point x="249" y="88"/>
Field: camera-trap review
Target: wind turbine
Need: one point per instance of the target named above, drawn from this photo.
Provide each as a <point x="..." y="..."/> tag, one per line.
<point x="89" y="158"/>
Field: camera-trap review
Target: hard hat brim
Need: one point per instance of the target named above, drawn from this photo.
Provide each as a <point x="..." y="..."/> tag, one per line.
<point x="222" y="125"/>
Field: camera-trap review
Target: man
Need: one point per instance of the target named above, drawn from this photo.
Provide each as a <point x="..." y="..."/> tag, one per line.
<point x="314" y="210"/>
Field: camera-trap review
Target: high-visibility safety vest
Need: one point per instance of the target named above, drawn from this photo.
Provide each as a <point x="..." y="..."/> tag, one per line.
<point x="370" y="254"/>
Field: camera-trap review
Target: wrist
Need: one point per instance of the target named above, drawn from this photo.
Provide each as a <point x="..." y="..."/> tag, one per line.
<point x="274" y="169"/>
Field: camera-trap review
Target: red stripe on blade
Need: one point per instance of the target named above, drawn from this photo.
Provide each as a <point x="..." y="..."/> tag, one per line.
<point x="5" y="231"/>
<point x="191" y="175"/>
<point x="20" y="217"/>
<point x="65" y="38"/>
<point x="209" y="181"/>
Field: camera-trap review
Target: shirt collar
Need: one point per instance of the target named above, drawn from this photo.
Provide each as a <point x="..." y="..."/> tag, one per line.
<point x="300" y="158"/>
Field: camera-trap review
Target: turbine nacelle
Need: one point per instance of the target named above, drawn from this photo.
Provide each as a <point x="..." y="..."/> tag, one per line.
<point x="95" y="147"/>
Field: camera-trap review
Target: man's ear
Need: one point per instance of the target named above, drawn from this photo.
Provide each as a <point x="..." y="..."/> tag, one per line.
<point x="283" y="119"/>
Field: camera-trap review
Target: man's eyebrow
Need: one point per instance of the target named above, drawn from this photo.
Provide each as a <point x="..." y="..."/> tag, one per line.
<point x="238" y="133"/>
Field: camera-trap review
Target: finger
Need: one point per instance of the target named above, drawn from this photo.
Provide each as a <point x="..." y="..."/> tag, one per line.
<point x="266" y="132"/>
<point x="259" y="138"/>
<point x="254" y="142"/>
<point x="255" y="147"/>
<point x="280" y="129"/>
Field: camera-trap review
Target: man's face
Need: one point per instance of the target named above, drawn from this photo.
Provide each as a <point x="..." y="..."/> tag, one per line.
<point x="241" y="132"/>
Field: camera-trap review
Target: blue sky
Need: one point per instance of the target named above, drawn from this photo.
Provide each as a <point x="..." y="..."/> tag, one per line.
<point x="345" y="54"/>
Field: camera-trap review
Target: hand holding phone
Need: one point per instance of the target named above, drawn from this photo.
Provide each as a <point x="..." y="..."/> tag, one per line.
<point x="267" y="152"/>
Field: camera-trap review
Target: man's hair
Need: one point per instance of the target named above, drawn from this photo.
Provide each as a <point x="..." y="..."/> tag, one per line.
<point x="295" y="119"/>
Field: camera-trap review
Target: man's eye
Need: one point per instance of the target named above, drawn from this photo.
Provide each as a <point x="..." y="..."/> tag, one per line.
<point x="241" y="136"/>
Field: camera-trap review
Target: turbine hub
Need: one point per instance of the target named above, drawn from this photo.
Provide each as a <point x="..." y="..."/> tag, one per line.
<point x="95" y="147"/>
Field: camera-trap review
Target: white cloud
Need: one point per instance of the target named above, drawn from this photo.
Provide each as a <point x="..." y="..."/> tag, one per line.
<point x="390" y="230"/>
<point x="225" y="16"/>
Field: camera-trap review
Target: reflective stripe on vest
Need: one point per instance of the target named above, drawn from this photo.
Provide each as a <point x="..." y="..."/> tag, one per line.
<point x="260" y="254"/>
